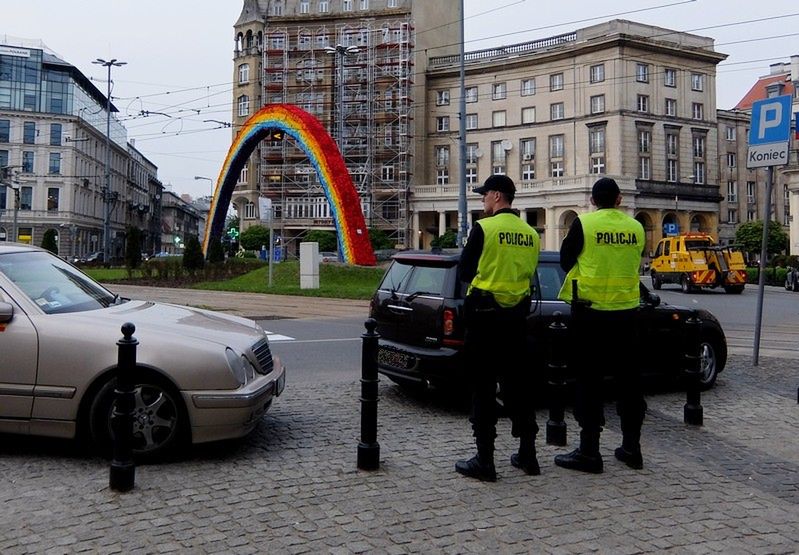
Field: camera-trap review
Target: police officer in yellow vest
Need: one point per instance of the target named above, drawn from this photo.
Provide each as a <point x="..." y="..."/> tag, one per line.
<point x="602" y="253"/>
<point x="498" y="262"/>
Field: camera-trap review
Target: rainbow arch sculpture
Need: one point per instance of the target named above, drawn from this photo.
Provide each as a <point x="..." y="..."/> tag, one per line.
<point x="316" y="142"/>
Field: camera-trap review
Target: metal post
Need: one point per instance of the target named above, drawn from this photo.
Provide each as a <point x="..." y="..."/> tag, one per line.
<point x="123" y="471"/>
<point x="462" y="205"/>
<point x="15" y="236"/>
<point x="763" y="254"/>
<point x="271" y="244"/>
<point x="692" y="411"/>
<point x="369" y="448"/>
<point x="556" y="426"/>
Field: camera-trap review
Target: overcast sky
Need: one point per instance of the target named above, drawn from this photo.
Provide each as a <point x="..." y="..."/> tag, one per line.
<point x="179" y="55"/>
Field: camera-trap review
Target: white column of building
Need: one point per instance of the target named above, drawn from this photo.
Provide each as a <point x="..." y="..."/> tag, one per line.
<point x="442" y="223"/>
<point x="523" y="214"/>
<point x="551" y="239"/>
<point x="415" y="230"/>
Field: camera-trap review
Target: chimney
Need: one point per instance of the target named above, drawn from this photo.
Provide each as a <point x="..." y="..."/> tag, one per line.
<point x="795" y="68"/>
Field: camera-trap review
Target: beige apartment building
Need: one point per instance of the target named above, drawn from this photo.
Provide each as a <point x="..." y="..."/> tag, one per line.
<point x="621" y="99"/>
<point x="360" y="67"/>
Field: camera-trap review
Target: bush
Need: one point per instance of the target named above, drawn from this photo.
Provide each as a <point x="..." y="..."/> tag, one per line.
<point x="254" y="237"/>
<point x="133" y="249"/>
<point x="193" y="259"/>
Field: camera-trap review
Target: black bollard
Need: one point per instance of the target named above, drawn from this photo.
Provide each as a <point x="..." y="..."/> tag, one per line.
<point x="369" y="448"/>
<point x="692" y="412"/>
<point x="123" y="471"/>
<point x="556" y="426"/>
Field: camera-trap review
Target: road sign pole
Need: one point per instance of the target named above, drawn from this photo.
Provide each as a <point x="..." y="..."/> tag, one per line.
<point x="762" y="274"/>
<point x="271" y="246"/>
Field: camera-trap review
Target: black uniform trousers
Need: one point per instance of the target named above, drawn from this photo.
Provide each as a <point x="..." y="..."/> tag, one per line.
<point x="495" y="353"/>
<point x="607" y="343"/>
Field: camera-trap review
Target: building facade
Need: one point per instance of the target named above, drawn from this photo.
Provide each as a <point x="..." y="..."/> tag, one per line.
<point x="360" y="67"/>
<point x="621" y="99"/>
<point x="179" y="220"/>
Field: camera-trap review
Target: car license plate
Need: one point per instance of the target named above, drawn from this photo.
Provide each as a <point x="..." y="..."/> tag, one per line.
<point x="395" y="359"/>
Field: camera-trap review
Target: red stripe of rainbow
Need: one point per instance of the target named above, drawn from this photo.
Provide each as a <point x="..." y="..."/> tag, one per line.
<point x="311" y="136"/>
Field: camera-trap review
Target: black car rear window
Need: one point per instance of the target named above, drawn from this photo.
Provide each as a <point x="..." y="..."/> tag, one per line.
<point x="407" y="278"/>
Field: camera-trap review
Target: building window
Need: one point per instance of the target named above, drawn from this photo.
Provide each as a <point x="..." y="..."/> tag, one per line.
<point x="644" y="141"/>
<point x="697" y="82"/>
<point x="528" y="115"/>
<point x="442" y="98"/>
<point x="305" y="6"/>
<point x="642" y="73"/>
<point x="732" y="216"/>
<point x="5" y="127"/>
<point x="471" y="153"/>
<point x="597" y="73"/>
<point x="442" y="156"/>
<point x="527" y="150"/>
<point x="672" y="157"/>
<point x="277" y="10"/>
<point x="3" y="162"/>
<point x="27" y="161"/>
<point x="244" y="73"/>
<point x="729" y="133"/>
<point x="644" y="167"/>
<point x="442" y="176"/>
<point x="393" y="3"/>
<point x="699" y="173"/>
<point x="731" y="159"/>
<point x="697" y="110"/>
<point x="498" y="118"/>
<point x="249" y="211"/>
<point x="54" y="167"/>
<point x="26" y="198"/>
<point x="528" y="87"/>
<point x="751" y="215"/>
<point x="244" y="105"/>
<point x="598" y="104"/>
<point x="471" y="94"/>
<point x="670" y="77"/>
<point x="750" y="192"/>
<point x="556" y="111"/>
<point x="643" y="103"/>
<point x="324" y="6"/>
<point x="556" y="169"/>
<point x="498" y="158"/>
<point x="671" y="170"/>
<point x="53" y="194"/>
<point x="498" y="91"/>
<point x="556" y="146"/>
<point x="596" y="149"/>
<point x="55" y="134"/>
<point x="347" y="5"/>
<point x="442" y="123"/>
<point x="671" y="107"/>
<point x="244" y="174"/>
<point x="732" y="191"/>
<point x="364" y="5"/>
<point x="29" y="133"/>
<point x="471" y="122"/>
<point x="699" y="147"/>
<point x="556" y="82"/>
<point x="471" y="175"/>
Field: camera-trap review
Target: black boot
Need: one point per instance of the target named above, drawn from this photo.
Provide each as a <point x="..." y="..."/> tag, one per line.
<point x="577" y="460"/>
<point x="630" y="457"/>
<point x="525" y="459"/>
<point x="480" y="467"/>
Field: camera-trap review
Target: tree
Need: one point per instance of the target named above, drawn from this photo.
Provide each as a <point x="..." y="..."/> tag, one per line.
<point x="231" y="222"/>
<point x="254" y="237"/>
<point x="49" y="241"/>
<point x="193" y="254"/>
<point x="749" y="237"/>
<point x="447" y="241"/>
<point x="133" y="248"/>
<point x="216" y="253"/>
<point x="326" y="239"/>
<point x="380" y="239"/>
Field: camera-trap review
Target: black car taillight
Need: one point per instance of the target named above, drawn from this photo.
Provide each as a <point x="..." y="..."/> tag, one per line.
<point x="449" y="322"/>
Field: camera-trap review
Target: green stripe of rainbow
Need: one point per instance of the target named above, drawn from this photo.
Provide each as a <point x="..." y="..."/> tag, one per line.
<point x="311" y="136"/>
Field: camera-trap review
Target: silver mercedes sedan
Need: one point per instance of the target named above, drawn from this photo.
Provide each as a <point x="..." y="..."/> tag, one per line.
<point x="200" y="375"/>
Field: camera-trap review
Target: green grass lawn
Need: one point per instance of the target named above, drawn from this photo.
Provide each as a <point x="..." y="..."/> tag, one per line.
<point x="335" y="280"/>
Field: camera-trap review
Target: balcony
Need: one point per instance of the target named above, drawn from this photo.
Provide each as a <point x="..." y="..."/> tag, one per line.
<point x="685" y="191"/>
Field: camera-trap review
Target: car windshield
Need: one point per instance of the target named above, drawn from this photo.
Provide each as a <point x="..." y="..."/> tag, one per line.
<point x="54" y="285"/>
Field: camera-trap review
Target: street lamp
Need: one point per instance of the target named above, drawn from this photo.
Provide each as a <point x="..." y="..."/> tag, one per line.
<point x="199" y="177"/>
<point x="107" y="196"/>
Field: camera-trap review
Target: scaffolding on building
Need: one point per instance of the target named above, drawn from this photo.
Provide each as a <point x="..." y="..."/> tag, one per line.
<point x="374" y="115"/>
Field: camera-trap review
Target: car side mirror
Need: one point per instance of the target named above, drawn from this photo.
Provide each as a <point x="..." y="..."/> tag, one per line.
<point x="6" y="312"/>
<point x="652" y="299"/>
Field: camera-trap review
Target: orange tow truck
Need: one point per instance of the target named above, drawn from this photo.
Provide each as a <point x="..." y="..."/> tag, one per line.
<point x="694" y="260"/>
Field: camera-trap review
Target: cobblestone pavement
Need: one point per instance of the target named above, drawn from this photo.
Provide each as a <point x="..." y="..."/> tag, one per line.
<point x="293" y="487"/>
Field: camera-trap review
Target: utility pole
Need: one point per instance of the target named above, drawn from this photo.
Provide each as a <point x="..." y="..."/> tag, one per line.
<point x="462" y="210"/>
<point x="107" y="195"/>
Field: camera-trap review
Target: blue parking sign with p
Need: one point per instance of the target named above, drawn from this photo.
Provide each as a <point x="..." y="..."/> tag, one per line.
<point x="771" y="120"/>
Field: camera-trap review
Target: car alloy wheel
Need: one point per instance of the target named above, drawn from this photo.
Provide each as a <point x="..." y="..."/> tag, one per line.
<point x="157" y="418"/>
<point x="708" y="365"/>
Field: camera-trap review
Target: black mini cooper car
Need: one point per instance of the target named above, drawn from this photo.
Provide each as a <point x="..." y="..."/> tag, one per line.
<point x="418" y="307"/>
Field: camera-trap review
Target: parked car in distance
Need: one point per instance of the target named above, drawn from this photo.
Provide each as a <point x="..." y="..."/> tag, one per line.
<point x="200" y="375"/>
<point x="326" y="256"/>
<point x="418" y="307"/>
<point x="94" y="259"/>
<point x="163" y="254"/>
